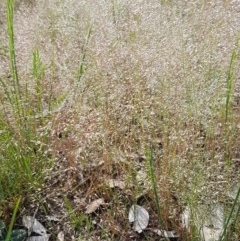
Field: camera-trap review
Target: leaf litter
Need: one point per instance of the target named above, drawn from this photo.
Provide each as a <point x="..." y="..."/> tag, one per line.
<point x="139" y="216"/>
<point x="94" y="205"/>
<point x="35" y="227"/>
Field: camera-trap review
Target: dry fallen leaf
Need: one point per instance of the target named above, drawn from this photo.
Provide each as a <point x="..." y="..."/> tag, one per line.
<point x="33" y="225"/>
<point x="139" y="217"/>
<point x="44" y="237"/>
<point x="164" y="233"/>
<point x="116" y="183"/>
<point x="93" y="206"/>
<point x="157" y="231"/>
<point x="170" y="234"/>
<point x="52" y="219"/>
<point x="60" y="236"/>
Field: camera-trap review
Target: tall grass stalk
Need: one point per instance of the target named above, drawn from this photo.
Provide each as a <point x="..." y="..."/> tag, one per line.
<point x="228" y="101"/>
<point x="13" y="64"/>
<point x="82" y="62"/>
<point x="230" y="85"/>
<point x="84" y="55"/>
<point x="231" y="220"/>
<point x="38" y="72"/>
<point x="154" y="184"/>
<point x="14" y="128"/>
<point x="8" y="237"/>
<point x="53" y="59"/>
<point x="16" y="97"/>
<point x="83" y="59"/>
<point x="20" y="156"/>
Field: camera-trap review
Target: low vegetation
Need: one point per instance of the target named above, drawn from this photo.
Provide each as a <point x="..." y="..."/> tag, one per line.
<point x="109" y="104"/>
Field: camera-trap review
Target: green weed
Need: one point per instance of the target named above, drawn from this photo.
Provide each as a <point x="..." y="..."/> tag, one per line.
<point x="21" y="155"/>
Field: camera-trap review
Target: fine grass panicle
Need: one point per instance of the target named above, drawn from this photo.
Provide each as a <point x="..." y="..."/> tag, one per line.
<point x="123" y="101"/>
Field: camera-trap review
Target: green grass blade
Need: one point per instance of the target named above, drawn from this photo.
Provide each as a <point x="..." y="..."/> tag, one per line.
<point x="154" y="183"/>
<point x="8" y="237"/>
<point x="12" y="56"/>
<point x="230" y="84"/>
<point x="82" y="61"/>
<point x="230" y="216"/>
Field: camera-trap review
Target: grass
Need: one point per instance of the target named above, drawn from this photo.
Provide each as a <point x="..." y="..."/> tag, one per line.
<point x="21" y="141"/>
<point x="231" y="218"/>
<point x="87" y="87"/>
<point x="8" y="237"/>
<point x="228" y="98"/>
<point x="154" y="186"/>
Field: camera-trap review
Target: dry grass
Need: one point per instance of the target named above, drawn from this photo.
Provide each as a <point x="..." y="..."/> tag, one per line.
<point x="154" y="76"/>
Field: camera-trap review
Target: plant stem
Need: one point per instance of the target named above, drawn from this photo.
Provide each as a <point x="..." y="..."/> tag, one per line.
<point x="8" y="237"/>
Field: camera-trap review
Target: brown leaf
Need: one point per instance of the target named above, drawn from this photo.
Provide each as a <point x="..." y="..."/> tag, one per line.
<point x="93" y="206"/>
<point x="60" y="236"/>
<point x="116" y="183"/>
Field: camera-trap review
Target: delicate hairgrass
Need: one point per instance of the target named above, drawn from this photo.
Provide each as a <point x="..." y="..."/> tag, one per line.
<point x="114" y="121"/>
